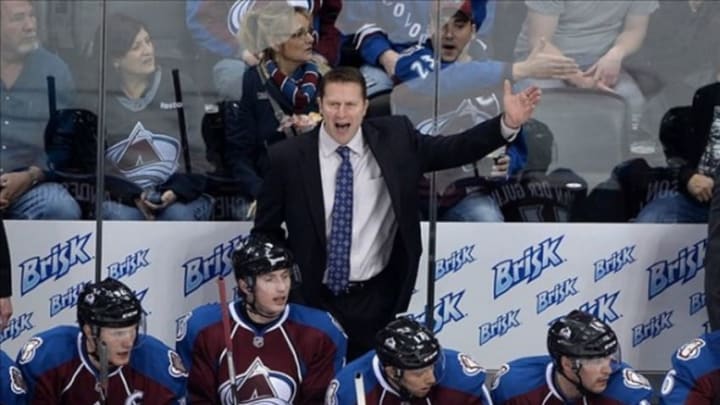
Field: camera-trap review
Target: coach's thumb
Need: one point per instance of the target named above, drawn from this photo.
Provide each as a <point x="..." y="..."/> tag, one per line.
<point x="508" y="88"/>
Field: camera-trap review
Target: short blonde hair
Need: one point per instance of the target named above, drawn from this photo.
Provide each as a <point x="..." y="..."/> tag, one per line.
<point x="268" y="24"/>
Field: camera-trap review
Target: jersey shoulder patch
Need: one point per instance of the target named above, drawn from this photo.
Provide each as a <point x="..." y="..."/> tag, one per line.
<point x="17" y="383"/>
<point x="29" y="349"/>
<point x="176" y="368"/>
<point x="690" y="350"/>
<point x="634" y="380"/>
<point x="469" y="366"/>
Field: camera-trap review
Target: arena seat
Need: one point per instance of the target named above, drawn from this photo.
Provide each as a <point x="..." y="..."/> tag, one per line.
<point x="590" y="130"/>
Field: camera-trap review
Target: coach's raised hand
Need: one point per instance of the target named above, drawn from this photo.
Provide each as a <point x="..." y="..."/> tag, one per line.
<point x="518" y="108"/>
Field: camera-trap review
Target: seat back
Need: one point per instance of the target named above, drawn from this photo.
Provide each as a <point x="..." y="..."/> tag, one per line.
<point x="590" y="130"/>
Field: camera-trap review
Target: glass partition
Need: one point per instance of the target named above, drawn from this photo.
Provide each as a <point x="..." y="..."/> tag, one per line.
<point x="183" y="90"/>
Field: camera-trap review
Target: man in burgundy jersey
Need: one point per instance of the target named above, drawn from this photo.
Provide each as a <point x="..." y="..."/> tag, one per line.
<point x="106" y="361"/>
<point x="281" y="353"/>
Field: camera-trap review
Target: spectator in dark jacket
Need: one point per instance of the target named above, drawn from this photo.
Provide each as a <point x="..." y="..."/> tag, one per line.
<point x="279" y="98"/>
<point x="693" y="148"/>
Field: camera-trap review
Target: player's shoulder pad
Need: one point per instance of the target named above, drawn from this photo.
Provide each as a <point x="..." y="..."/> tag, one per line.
<point x="318" y="319"/>
<point x="698" y="348"/>
<point x="627" y="385"/>
<point x="341" y="389"/>
<point x="519" y="376"/>
<point x="192" y="323"/>
<point x="462" y="372"/>
<point x="48" y="349"/>
<point x="460" y="364"/>
<point x="154" y="359"/>
<point x="698" y="356"/>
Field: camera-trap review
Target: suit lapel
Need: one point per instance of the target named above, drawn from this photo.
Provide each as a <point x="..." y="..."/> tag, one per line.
<point x="310" y="168"/>
<point x="384" y="156"/>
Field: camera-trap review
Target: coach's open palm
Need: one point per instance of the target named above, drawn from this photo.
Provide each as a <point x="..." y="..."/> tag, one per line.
<point x="518" y="108"/>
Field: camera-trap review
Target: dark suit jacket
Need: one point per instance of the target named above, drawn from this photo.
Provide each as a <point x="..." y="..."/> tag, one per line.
<point x="292" y="194"/>
<point x="5" y="276"/>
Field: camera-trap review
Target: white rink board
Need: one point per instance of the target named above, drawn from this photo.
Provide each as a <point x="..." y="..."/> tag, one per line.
<point x="498" y="285"/>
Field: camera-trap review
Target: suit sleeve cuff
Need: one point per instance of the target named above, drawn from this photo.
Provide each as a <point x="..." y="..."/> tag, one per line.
<point x="508" y="133"/>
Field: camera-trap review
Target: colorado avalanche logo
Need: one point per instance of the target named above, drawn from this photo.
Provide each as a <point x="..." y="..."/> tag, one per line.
<point x="17" y="383"/>
<point x="690" y="350"/>
<point x="27" y="353"/>
<point x="176" y="367"/>
<point x="181" y="326"/>
<point x="240" y="7"/>
<point x="469" y="365"/>
<point x="469" y="113"/>
<point x="259" y="385"/>
<point x="145" y="158"/>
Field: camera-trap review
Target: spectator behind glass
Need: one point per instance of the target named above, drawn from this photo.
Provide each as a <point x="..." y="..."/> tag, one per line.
<point x="382" y="31"/>
<point x="470" y="92"/>
<point x="144" y="151"/>
<point x="683" y="58"/>
<point x="214" y="24"/>
<point x="279" y="94"/>
<point x="25" y="188"/>
<point x="598" y="36"/>
<point x="700" y="142"/>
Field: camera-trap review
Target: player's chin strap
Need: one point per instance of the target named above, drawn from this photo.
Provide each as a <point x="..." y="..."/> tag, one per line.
<point x="578" y="385"/>
<point x="251" y="307"/>
<point x="396" y="379"/>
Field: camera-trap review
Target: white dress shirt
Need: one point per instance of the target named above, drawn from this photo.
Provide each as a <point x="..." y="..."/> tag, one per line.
<point x="373" y="222"/>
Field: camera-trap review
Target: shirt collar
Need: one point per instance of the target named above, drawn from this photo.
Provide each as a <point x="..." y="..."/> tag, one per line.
<point x="328" y="145"/>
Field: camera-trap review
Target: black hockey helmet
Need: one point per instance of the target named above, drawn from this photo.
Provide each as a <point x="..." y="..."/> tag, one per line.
<point x="407" y="345"/>
<point x="109" y="304"/>
<point x="258" y="255"/>
<point x="581" y="335"/>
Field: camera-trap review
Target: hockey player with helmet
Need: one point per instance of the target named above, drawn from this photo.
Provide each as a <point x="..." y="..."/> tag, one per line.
<point x="283" y="353"/>
<point x="583" y="367"/>
<point x="408" y="366"/>
<point x="107" y="360"/>
<point x="695" y="373"/>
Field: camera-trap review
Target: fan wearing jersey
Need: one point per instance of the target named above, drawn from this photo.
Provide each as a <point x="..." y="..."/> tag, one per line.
<point x="282" y="353"/>
<point x="583" y="368"/>
<point x="107" y="360"/>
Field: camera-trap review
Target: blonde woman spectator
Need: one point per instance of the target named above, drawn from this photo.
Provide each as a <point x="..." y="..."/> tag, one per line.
<point x="279" y="93"/>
